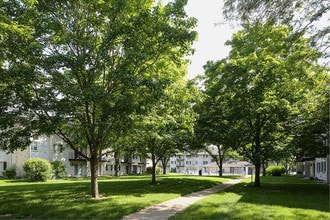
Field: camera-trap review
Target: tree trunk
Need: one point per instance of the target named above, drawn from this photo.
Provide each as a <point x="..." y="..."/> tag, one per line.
<point x="221" y="155"/>
<point x="264" y="166"/>
<point x="257" y="175"/>
<point x="153" y="170"/>
<point x="94" y="174"/>
<point x="164" y="168"/>
<point x="220" y="169"/>
<point x="116" y="155"/>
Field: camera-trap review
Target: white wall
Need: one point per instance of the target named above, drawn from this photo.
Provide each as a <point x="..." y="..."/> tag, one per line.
<point x="321" y="168"/>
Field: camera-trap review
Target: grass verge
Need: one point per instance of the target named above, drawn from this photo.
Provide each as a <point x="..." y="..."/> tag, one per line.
<point x="70" y="199"/>
<point x="278" y="198"/>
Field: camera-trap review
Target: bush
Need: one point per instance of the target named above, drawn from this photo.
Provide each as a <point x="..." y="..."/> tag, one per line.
<point x="58" y="168"/>
<point x="9" y="173"/>
<point x="158" y="170"/>
<point x="37" y="169"/>
<point x="275" y="170"/>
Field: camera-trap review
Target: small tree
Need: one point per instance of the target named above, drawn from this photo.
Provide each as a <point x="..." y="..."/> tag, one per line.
<point x="58" y="168"/>
<point x="37" y="169"/>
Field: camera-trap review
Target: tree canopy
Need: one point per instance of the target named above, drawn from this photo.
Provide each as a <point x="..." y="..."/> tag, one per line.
<point x="266" y="86"/>
<point x="82" y="71"/>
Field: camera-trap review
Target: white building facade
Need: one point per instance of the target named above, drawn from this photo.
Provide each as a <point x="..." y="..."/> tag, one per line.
<point x="52" y="149"/>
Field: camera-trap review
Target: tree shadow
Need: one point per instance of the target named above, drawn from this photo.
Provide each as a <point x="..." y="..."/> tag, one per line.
<point x="70" y="199"/>
<point x="292" y="195"/>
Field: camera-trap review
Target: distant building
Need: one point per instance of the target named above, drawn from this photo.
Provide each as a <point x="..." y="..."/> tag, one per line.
<point x="314" y="167"/>
<point x="192" y="163"/>
<point x="51" y="149"/>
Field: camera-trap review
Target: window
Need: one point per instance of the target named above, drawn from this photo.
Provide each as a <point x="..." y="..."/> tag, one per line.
<point x="323" y="167"/>
<point x="3" y="165"/>
<point x="205" y="162"/>
<point x="188" y="162"/>
<point x="34" y="147"/>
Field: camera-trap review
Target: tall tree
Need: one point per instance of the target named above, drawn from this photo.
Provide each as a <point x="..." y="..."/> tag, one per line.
<point x="264" y="87"/>
<point x="164" y="128"/>
<point x="303" y="16"/>
<point x="90" y="58"/>
<point x="15" y="40"/>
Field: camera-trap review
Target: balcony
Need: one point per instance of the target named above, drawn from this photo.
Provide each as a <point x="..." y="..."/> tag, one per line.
<point x="75" y="157"/>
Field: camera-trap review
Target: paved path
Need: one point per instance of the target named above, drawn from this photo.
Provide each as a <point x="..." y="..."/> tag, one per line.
<point x="164" y="210"/>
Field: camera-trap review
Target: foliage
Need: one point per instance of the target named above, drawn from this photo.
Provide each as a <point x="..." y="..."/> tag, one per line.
<point x="87" y="66"/>
<point x="37" y="169"/>
<point x="9" y="173"/>
<point x="165" y="126"/>
<point x="58" y="168"/>
<point x="275" y="170"/>
<point x="158" y="170"/>
<point x="265" y="88"/>
<point x="303" y="16"/>
<point x="66" y="198"/>
<point x="15" y="45"/>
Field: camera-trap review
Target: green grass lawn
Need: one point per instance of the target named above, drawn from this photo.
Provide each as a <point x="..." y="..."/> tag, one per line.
<point x="70" y="199"/>
<point x="278" y="198"/>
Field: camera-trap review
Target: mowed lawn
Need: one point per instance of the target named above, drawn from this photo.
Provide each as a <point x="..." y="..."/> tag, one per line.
<point x="70" y="199"/>
<point x="279" y="198"/>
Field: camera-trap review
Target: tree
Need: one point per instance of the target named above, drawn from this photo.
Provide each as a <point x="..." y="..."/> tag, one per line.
<point x="15" y="46"/>
<point x="88" y="61"/>
<point x="212" y="125"/>
<point x="264" y="87"/>
<point x="304" y="16"/>
<point x="163" y="130"/>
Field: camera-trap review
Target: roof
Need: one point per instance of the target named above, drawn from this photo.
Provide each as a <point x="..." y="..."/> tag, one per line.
<point x="230" y="163"/>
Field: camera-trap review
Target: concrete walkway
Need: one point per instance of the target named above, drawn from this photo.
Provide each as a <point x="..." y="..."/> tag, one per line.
<point x="164" y="210"/>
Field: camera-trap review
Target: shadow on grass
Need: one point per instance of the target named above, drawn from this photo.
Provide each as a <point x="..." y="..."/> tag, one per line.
<point x="70" y="199"/>
<point x="288" y="192"/>
<point x="278" y="198"/>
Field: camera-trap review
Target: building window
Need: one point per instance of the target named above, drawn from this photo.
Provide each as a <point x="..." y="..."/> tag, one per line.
<point x="205" y="162"/>
<point x="188" y="162"/>
<point x="324" y="167"/>
<point x="3" y="165"/>
<point x="34" y="147"/>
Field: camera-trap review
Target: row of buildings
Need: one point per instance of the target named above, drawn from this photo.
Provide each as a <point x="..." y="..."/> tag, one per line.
<point x="187" y="163"/>
<point x="48" y="148"/>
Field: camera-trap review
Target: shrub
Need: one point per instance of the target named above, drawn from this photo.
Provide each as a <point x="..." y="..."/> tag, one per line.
<point x="275" y="170"/>
<point x="158" y="170"/>
<point x="58" y="168"/>
<point x="37" y="169"/>
<point x="9" y="173"/>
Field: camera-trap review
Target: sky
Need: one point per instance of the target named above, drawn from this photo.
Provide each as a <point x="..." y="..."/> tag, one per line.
<point x="211" y="37"/>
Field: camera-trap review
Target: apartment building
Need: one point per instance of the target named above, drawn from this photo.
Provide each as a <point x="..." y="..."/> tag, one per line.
<point x="51" y="149"/>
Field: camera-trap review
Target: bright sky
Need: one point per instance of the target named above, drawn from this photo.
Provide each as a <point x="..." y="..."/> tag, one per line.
<point x="211" y="37"/>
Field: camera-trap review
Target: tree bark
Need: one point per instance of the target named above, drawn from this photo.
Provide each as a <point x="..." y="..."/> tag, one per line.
<point x="153" y="170"/>
<point x="221" y="155"/>
<point x="94" y="175"/>
<point x="116" y="156"/>
<point x="257" y="175"/>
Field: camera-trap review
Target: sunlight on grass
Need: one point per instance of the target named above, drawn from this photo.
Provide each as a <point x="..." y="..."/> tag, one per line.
<point x="70" y="198"/>
<point x="278" y="198"/>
